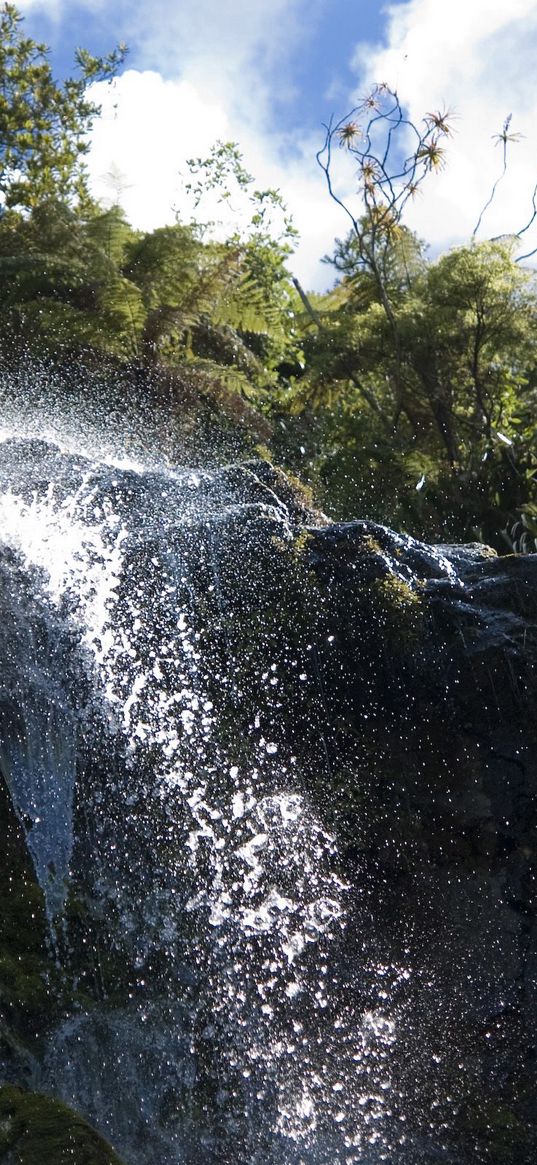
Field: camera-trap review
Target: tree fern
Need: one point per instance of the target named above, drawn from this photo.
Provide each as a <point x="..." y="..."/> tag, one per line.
<point x="124" y="314"/>
<point x="110" y="236"/>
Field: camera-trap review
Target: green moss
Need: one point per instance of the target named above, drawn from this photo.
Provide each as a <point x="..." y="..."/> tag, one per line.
<point x="398" y="607"/>
<point x="303" y="493"/>
<point x="369" y="545"/>
<point x="36" y="1130"/>
<point x="302" y="542"/>
<point x="397" y="593"/>
<point x="263" y="452"/>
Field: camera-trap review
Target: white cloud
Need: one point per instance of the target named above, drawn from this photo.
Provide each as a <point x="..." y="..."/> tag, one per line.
<point x="478" y="57"/>
<point x="147" y="129"/>
<point x="207" y="70"/>
<point x="229" y="49"/>
<point x="150" y="126"/>
<point x="220" y="63"/>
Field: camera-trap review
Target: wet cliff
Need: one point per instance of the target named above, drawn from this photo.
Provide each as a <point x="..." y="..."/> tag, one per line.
<point x="268" y="801"/>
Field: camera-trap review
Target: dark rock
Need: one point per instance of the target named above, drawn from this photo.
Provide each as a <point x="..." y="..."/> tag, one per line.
<point x="36" y="1130"/>
<point x="395" y="684"/>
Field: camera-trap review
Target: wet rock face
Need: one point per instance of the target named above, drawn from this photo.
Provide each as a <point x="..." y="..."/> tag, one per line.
<point x="428" y="664"/>
<point x="431" y="656"/>
<point x="301" y="826"/>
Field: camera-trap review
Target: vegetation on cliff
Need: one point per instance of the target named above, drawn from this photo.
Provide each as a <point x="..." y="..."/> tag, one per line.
<point x="407" y="393"/>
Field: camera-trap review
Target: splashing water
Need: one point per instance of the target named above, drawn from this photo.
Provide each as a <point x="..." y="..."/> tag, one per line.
<point x="219" y="871"/>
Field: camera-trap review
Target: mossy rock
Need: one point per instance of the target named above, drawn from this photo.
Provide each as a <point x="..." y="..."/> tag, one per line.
<point x="36" y="1130"/>
<point x="398" y="608"/>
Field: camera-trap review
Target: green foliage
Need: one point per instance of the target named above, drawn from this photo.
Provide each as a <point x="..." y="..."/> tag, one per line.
<point x="43" y="124"/>
<point x="206" y="299"/>
<point x="398" y="259"/>
<point x="77" y="277"/>
<point x="521" y="535"/>
<point x="432" y="426"/>
<point x="74" y="280"/>
<point x="419" y="387"/>
<point x="472" y="345"/>
<point x="260" y="213"/>
<point x="407" y="393"/>
<point x="63" y="285"/>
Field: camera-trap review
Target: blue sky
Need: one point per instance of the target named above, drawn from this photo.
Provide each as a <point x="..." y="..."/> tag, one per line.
<point x="268" y="72"/>
<point x="316" y="61"/>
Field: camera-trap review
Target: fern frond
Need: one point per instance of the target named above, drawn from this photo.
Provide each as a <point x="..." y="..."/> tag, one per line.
<point x="244" y="307"/>
<point x="122" y="306"/>
<point x="111" y="234"/>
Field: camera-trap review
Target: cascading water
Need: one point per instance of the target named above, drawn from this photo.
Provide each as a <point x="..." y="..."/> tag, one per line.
<point x="215" y="1026"/>
<point x="276" y="784"/>
<point x="38" y="735"/>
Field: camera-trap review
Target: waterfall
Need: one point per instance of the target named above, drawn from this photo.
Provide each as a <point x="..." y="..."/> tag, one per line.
<point x="259" y="769"/>
<point x="219" y="886"/>
<point x="38" y="731"/>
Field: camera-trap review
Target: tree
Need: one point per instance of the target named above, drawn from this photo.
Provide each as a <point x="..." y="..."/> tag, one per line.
<point x="463" y="453"/>
<point x="258" y="213"/>
<point x="392" y="157"/>
<point x="401" y="261"/>
<point x="43" y="124"/>
<point x="474" y="347"/>
<point x="61" y="281"/>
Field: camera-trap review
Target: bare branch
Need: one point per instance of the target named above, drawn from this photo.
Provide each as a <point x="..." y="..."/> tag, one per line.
<point x="374" y="133"/>
<point x="503" y="138"/>
<point x="529" y="223"/>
